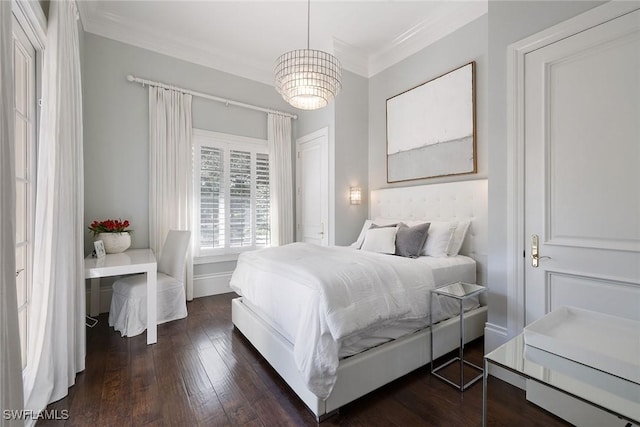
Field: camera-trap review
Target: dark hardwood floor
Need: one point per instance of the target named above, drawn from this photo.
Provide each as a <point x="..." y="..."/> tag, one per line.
<point x="203" y="372"/>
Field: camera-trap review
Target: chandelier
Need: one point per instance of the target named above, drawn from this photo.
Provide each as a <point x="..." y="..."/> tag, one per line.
<point x="308" y="79"/>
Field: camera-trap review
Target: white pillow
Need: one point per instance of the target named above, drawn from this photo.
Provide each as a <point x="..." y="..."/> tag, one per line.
<point x="387" y="221"/>
<point x="438" y="238"/>
<point x="381" y="240"/>
<point x="358" y="243"/>
<point x="458" y="238"/>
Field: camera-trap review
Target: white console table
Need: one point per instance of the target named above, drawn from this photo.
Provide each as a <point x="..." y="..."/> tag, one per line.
<point x="131" y="261"/>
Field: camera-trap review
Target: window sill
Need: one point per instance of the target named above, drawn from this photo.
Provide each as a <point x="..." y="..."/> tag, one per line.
<point x="210" y="259"/>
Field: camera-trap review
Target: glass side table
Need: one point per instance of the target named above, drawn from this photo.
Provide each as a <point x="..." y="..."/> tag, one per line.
<point x="460" y="291"/>
<point x="617" y="396"/>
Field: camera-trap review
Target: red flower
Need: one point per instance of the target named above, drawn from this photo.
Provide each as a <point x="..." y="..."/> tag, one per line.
<point x="109" y="226"/>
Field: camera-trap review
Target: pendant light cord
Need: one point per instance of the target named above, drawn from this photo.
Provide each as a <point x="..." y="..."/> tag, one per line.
<point x="308" y="21"/>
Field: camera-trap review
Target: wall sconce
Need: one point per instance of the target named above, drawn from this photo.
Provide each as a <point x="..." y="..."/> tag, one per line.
<point x="355" y="195"/>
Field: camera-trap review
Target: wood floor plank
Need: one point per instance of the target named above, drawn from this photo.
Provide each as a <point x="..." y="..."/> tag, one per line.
<point x="226" y="382"/>
<point x="145" y="392"/>
<point x="175" y="404"/>
<point x="203" y="372"/>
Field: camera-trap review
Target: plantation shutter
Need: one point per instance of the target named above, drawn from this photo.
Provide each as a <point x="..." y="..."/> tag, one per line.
<point x="263" y="220"/>
<point x="212" y="200"/>
<point x="232" y="188"/>
<point x="239" y="199"/>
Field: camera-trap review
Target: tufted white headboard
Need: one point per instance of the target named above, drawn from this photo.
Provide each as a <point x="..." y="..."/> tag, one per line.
<point x="447" y="201"/>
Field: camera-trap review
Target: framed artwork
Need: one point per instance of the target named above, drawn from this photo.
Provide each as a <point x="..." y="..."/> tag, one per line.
<point x="99" y="247"/>
<point x="431" y="128"/>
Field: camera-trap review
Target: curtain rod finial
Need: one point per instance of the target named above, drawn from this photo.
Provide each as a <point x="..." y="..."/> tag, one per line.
<point x="130" y="78"/>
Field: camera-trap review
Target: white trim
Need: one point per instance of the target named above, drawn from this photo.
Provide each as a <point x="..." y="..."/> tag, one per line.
<point x="203" y="285"/>
<point x="445" y="20"/>
<point x="323" y="132"/>
<point x="226" y="138"/>
<point x="352" y="58"/>
<point x="31" y="17"/>
<point x="212" y="284"/>
<point x="102" y="304"/>
<point x="145" y="37"/>
<point x="494" y="336"/>
<point x="212" y="259"/>
<point x="515" y="143"/>
<point x="448" y="19"/>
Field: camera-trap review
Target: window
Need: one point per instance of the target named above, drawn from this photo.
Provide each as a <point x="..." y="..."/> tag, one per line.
<point x="232" y="193"/>
<point x="24" y="63"/>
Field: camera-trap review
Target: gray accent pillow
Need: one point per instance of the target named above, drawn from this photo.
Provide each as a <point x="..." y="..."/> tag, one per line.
<point x="411" y="240"/>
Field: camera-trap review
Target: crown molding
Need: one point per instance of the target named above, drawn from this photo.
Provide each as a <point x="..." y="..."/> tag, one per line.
<point x="119" y="29"/>
<point x="448" y="19"/>
<point x="427" y="32"/>
<point x="352" y="58"/>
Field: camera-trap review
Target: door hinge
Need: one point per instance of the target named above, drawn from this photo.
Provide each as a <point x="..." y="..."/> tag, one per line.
<point x="40" y="102"/>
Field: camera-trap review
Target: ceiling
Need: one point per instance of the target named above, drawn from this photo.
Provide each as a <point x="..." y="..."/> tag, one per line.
<point x="245" y="37"/>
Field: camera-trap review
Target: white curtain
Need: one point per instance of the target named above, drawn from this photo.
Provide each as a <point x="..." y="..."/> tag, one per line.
<point x="170" y="170"/>
<point x="281" y="179"/>
<point x="57" y="310"/>
<point x="10" y="363"/>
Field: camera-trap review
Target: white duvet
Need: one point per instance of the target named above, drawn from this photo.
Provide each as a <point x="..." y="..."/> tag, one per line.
<point x="339" y="292"/>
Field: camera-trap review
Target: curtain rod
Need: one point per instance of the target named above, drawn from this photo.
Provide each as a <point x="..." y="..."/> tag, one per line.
<point x="228" y="102"/>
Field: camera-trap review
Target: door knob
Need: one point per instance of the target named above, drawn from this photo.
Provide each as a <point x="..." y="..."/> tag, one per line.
<point x="535" y="253"/>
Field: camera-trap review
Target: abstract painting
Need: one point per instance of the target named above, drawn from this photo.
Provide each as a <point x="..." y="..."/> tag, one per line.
<point x="431" y="128"/>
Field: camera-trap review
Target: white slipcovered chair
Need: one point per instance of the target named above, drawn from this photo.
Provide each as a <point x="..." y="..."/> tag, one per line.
<point x="128" y="312"/>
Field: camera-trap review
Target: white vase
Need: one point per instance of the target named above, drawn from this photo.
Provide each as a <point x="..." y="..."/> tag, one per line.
<point x="114" y="243"/>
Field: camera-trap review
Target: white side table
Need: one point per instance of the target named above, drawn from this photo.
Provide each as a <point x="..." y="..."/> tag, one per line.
<point x="460" y="291"/>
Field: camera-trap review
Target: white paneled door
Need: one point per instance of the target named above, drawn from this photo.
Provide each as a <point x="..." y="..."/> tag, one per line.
<point x="582" y="171"/>
<point x="24" y="73"/>
<point x="312" y="188"/>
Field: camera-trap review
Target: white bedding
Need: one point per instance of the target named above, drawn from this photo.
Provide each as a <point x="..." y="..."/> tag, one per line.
<point x="320" y="297"/>
<point x="458" y="268"/>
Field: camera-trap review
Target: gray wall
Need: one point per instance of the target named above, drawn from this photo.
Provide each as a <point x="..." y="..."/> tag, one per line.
<point x="509" y="21"/>
<point x="461" y="47"/>
<point x="346" y="119"/>
<point x="116" y="125"/>
<point x="116" y="131"/>
<point x="351" y="162"/>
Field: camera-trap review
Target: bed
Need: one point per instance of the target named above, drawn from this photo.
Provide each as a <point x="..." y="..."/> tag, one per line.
<point x="267" y="313"/>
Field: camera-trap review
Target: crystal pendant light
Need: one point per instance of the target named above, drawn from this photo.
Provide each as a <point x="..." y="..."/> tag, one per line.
<point x="308" y="79"/>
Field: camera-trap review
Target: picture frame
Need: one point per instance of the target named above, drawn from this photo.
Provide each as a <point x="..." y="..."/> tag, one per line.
<point x="98" y="245"/>
<point x="431" y="128"/>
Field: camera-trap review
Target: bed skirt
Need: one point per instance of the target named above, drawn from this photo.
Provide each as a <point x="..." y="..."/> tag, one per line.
<point x="364" y="372"/>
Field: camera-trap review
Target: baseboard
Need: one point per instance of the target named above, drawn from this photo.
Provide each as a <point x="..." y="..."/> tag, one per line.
<point x="105" y="298"/>
<point x="508" y="376"/>
<point x="211" y="284"/>
<point x="204" y="285"/>
<point x="494" y="336"/>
